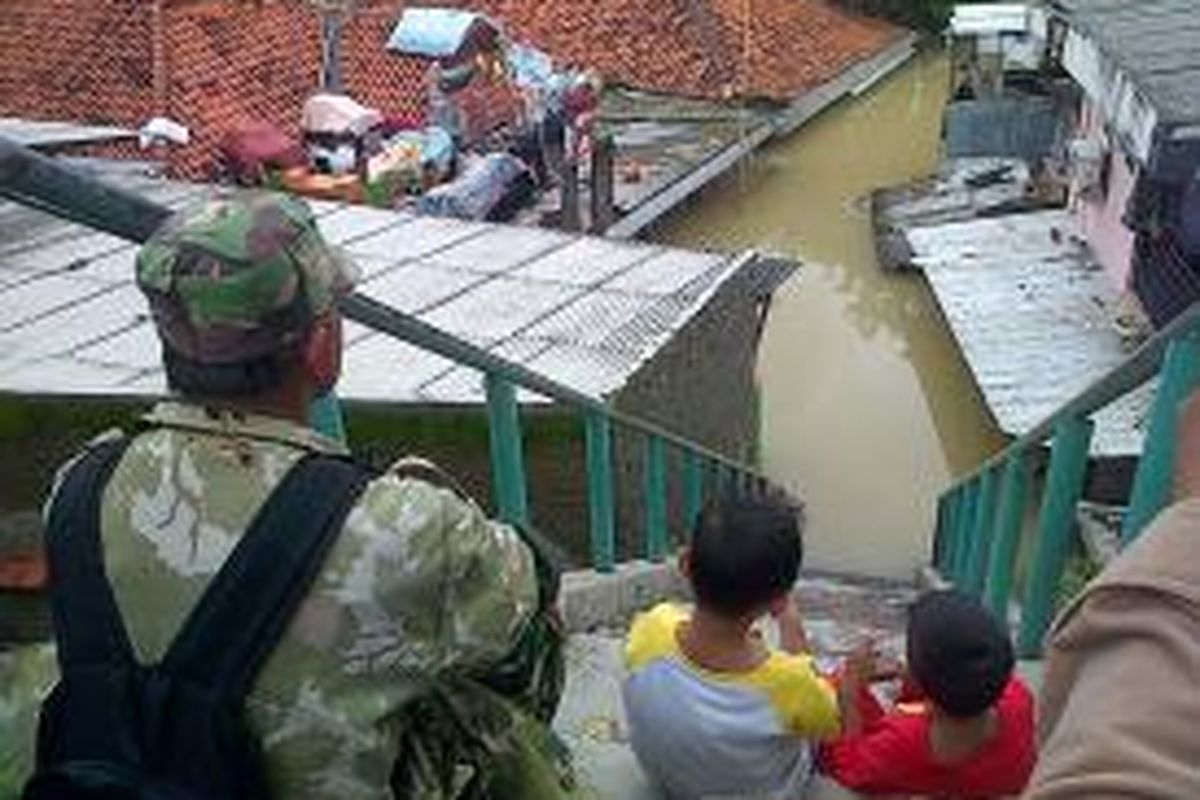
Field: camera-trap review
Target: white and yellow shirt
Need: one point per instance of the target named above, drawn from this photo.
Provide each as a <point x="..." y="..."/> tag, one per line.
<point x="705" y="734"/>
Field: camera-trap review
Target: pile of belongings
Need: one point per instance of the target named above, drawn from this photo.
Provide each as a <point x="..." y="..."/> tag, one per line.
<point x="412" y="161"/>
<point x="491" y="187"/>
<point x="340" y="134"/>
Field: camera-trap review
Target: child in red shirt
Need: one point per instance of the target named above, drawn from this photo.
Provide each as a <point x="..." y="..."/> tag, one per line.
<point x="964" y="725"/>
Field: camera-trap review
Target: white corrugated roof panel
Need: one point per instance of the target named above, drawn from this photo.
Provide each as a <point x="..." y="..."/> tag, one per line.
<point x="414" y="286"/>
<point x="356" y="222"/>
<point x="380" y="368"/>
<point x="585" y="261"/>
<point x="71" y="327"/>
<point x="501" y="249"/>
<point x="136" y="347"/>
<point x="585" y="311"/>
<point x="500" y="308"/>
<point x="45" y="295"/>
<point x="420" y="237"/>
<point x="590" y="320"/>
<point x="1033" y="313"/>
<point x="665" y="274"/>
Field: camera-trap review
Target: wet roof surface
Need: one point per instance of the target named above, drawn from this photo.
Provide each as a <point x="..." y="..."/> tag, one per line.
<point x="1033" y="314"/>
<point x="587" y="312"/>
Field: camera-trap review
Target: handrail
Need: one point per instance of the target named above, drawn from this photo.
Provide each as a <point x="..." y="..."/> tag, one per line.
<point x="1139" y="367"/>
<point x="32" y="179"/>
<point x="979" y="518"/>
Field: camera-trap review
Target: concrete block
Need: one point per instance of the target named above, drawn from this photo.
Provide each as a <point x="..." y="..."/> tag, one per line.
<point x="594" y="601"/>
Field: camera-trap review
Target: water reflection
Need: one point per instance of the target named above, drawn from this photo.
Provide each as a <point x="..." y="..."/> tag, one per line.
<point x="868" y="408"/>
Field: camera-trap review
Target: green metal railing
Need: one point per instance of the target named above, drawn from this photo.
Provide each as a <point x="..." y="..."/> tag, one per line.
<point x="979" y="520"/>
<point x="508" y="462"/>
<point x="29" y="178"/>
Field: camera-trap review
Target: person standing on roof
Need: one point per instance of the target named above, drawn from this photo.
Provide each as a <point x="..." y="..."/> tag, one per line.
<point x="423" y="658"/>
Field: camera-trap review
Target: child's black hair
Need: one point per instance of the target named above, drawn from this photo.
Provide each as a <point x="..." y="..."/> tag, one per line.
<point x="745" y="552"/>
<point x="959" y="653"/>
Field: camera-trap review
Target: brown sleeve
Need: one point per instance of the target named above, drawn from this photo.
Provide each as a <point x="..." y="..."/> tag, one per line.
<point x="1120" y="706"/>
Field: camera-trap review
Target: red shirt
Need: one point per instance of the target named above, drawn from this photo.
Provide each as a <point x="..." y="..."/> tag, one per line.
<point x="892" y="754"/>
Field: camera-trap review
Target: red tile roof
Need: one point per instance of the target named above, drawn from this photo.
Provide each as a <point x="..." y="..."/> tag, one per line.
<point x="773" y="49"/>
<point x="222" y="62"/>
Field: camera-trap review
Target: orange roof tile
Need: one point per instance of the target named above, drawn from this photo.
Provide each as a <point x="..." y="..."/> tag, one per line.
<point x="223" y="62"/>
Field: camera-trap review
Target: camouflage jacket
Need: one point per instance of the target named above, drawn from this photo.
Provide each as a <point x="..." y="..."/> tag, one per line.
<point x="419" y="587"/>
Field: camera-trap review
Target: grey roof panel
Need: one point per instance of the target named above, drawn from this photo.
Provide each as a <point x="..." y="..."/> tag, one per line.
<point x="585" y="261"/>
<point x="1033" y="313"/>
<point x="415" y="239"/>
<point x="501" y="249"/>
<point x="1155" y="42"/>
<point x="665" y="274"/>
<point x="72" y="321"/>
<point x="350" y="223"/>
<point x="500" y="308"/>
<point x="414" y="287"/>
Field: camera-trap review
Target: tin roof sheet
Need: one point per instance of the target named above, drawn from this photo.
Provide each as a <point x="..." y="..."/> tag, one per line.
<point x="585" y="311"/>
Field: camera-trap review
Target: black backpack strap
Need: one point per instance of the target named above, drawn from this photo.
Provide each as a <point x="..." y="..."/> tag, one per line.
<point x="248" y="604"/>
<point x="87" y="624"/>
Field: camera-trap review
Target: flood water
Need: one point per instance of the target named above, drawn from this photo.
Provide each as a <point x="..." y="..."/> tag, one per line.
<point x="868" y="410"/>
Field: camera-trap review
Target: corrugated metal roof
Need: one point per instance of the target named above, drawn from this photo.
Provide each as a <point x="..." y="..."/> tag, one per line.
<point x="585" y="311"/>
<point x="1033" y="314"/>
<point x="1154" y="41"/>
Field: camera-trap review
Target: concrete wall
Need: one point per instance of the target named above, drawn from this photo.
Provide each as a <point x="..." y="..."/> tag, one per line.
<point x="700" y="384"/>
<point x="1100" y="217"/>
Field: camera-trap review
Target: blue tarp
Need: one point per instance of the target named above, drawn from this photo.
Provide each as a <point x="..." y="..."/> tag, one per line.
<point x="433" y="32"/>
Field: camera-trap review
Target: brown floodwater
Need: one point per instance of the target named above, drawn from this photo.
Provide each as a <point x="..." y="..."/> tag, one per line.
<point x="868" y="410"/>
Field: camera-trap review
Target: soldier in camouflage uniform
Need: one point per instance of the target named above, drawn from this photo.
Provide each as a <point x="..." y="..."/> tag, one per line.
<point x="425" y="657"/>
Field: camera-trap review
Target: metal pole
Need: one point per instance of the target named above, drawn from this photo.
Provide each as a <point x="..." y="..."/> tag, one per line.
<point x="981" y="533"/>
<point x="656" y="498"/>
<point x="508" y="458"/>
<point x="1009" y="517"/>
<point x="693" y="489"/>
<point x="600" y="490"/>
<point x="1152" y="484"/>
<point x="1064" y="485"/>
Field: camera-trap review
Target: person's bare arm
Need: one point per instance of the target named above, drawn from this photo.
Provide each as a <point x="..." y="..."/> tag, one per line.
<point x="793" y="637"/>
<point x="855" y="674"/>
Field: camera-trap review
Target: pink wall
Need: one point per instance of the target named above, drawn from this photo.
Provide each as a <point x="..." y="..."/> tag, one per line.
<point x="1099" y="218"/>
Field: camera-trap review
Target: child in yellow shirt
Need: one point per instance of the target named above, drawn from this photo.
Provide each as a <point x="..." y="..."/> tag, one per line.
<point x="714" y="711"/>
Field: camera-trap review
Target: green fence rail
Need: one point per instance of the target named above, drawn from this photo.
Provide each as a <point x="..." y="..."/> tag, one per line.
<point x="980" y="519"/>
<point x="34" y="180"/>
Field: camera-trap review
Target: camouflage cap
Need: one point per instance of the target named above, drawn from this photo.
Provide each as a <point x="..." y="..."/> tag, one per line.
<point x="240" y="276"/>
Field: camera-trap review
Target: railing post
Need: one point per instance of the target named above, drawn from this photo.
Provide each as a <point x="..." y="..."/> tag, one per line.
<point x="1152" y="484"/>
<point x="656" y="498"/>
<point x="1009" y="518"/>
<point x="981" y="533"/>
<point x="600" y="490"/>
<point x="720" y="479"/>
<point x="693" y="489"/>
<point x="508" y="460"/>
<point x="1064" y="485"/>
<point x="964" y="530"/>
<point x="325" y="416"/>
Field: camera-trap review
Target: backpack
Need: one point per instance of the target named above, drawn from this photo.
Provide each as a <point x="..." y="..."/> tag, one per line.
<point x="114" y="728"/>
